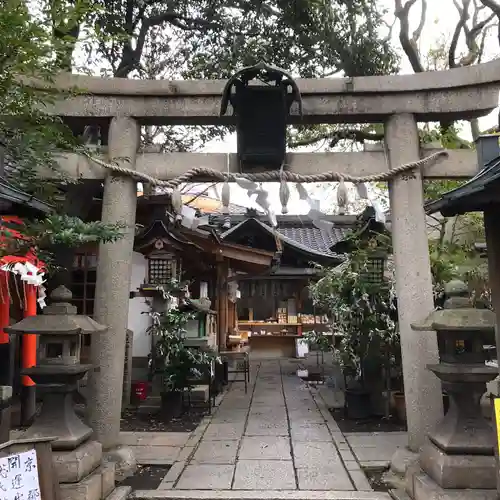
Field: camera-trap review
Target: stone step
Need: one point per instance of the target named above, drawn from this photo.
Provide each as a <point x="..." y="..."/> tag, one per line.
<point x="119" y="493"/>
<point x="256" y="495"/>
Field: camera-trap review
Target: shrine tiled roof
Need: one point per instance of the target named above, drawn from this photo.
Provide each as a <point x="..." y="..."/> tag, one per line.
<point x="313" y="238"/>
<point x="471" y="196"/>
<point x="300" y="232"/>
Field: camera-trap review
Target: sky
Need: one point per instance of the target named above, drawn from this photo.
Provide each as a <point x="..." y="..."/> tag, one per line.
<point x="441" y="18"/>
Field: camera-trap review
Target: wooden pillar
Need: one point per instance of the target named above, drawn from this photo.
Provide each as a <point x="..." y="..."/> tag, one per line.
<point x="493" y="251"/>
<point x="222" y="300"/>
<point x="28" y="360"/>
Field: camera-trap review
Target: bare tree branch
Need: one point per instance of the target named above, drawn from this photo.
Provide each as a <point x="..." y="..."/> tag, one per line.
<point x="410" y="46"/>
<point x="423" y="15"/>
<point x="335" y="137"/>
<point x="494" y="5"/>
<point x="201" y="193"/>
<point x="131" y="57"/>
<point x="478" y="30"/>
<point x="464" y="16"/>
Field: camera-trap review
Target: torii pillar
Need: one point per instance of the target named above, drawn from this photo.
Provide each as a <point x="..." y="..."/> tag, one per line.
<point x="112" y="298"/>
<point x="423" y="396"/>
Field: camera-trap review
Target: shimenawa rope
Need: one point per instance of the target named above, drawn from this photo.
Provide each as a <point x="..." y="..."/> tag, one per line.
<point x="275" y="175"/>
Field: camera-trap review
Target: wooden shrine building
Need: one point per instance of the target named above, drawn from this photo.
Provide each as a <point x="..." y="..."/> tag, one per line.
<point x="274" y="309"/>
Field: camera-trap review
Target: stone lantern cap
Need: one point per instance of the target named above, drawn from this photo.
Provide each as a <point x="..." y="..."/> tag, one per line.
<point x="59" y="318"/>
<point x="458" y="314"/>
<point x="458" y="320"/>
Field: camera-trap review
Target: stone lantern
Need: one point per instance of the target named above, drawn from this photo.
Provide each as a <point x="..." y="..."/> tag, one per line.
<point x="58" y="368"/>
<point x="459" y="453"/>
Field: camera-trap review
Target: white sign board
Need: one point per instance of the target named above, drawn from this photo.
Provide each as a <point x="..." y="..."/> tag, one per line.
<point x="19" y="477"/>
<point x="301" y="348"/>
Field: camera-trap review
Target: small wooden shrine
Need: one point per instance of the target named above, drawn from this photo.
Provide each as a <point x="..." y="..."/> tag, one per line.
<point x="275" y="308"/>
<point x="205" y="261"/>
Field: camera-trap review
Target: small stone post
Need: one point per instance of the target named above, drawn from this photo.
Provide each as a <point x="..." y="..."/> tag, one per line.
<point x="127" y="369"/>
<point x="424" y="403"/>
<point x="112" y="297"/>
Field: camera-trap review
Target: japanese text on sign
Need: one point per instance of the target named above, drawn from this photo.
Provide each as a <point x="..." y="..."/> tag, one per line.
<point x="19" y="477"/>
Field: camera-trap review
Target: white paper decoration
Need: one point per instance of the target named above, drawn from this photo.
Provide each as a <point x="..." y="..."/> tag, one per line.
<point x="176" y="200"/>
<point x="262" y="199"/>
<point x="272" y="218"/>
<point x="303" y="194"/>
<point x="341" y="196"/>
<point x="225" y="197"/>
<point x="246" y="184"/>
<point x="284" y="193"/>
<point x="362" y="190"/>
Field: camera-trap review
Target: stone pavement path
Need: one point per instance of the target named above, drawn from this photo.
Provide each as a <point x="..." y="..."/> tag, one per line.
<point x="278" y="436"/>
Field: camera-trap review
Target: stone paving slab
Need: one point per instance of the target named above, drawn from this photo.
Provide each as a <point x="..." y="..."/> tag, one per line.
<point x="216" y="452"/>
<point x="264" y="475"/>
<point x="324" y="478"/>
<point x="310" y="455"/>
<point x="265" y="448"/>
<point x="156" y="455"/>
<point x="226" y="416"/>
<point x="256" y="495"/>
<point x="312" y="432"/>
<point x="279" y="437"/>
<point x="240" y="404"/>
<point x="310" y="416"/>
<point x="268" y="412"/>
<point x="206" y="476"/>
<point x="217" y="432"/>
<point x="274" y="427"/>
<point x="374" y="448"/>
<point x="154" y="438"/>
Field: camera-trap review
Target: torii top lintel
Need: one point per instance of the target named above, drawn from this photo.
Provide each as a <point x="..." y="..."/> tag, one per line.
<point x="459" y="93"/>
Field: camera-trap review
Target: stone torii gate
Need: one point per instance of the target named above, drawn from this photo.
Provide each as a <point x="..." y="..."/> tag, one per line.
<point x="399" y="102"/>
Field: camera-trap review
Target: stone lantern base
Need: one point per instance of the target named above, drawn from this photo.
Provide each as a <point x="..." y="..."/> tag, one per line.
<point x="458" y="471"/>
<point x="84" y="476"/>
<point x="420" y="486"/>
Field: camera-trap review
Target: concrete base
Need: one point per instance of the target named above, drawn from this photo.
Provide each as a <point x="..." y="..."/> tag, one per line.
<point x="458" y="471"/>
<point x="124" y="459"/>
<point x="198" y="393"/>
<point x="120" y="493"/>
<point x="73" y="466"/>
<point x="96" y="486"/>
<point x="83" y="475"/>
<point x="401" y="460"/>
<point x="426" y="489"/>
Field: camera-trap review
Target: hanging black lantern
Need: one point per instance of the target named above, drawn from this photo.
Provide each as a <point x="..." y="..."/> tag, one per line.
<point x="261" y="97"/>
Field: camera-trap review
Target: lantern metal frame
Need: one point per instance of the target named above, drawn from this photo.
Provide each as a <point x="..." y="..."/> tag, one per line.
<point x="261" y="111"/>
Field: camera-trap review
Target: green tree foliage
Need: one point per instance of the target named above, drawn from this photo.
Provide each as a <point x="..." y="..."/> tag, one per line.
<point x="29" y="137"/>
<point x="179" y="366"/>
<point x="213" y="38"/>
<point x="362" y="307"/>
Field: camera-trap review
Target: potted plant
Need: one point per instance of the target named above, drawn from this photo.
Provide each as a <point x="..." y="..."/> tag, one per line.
<point x="179" y="366"/>
<point x="362" y="309"/>
<point x="321" y="344"/>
